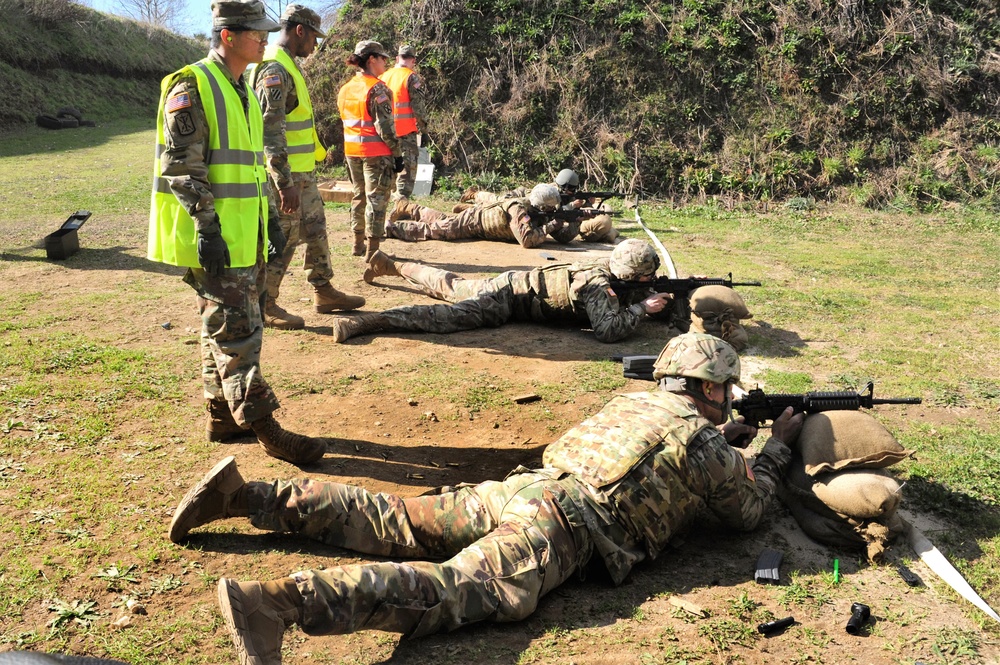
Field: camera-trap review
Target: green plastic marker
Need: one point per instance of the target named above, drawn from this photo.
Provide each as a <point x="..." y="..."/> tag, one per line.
<point x="836" y="571"/>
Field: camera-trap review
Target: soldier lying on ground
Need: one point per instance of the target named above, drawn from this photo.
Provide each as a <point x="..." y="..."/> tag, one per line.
<point x="561" y="294"/>
<point x="620" y="484"/>
<point x="520" y="219"/>
<point x="591" y="229"/>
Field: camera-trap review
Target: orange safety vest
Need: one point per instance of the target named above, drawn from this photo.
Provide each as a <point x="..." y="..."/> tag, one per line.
<point x="402" y="112"/>
<point x="360" y="137"/>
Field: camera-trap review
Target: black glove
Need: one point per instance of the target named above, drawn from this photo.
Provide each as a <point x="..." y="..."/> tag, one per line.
<point x="276" y="240"/>
<point x="397" y="165"/>
<point x="213" y="253"/>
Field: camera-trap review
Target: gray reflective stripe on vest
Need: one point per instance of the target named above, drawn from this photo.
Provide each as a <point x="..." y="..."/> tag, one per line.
<point x="358" y="123"/>
<point x="296" y="125"/>
<point x="402" y="105"/>
<point x="220" y="104"/>
<point x="300" y="149"/>
<point x="404" y="115"/>
<point x="361" y="139"/>
<point x="239" y="157"/>
<point x="219" y="190"/>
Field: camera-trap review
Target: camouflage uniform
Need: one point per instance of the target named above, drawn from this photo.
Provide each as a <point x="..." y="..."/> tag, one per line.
<point x="622" y="484"/>
<point x="230" y="305"/>
<point x="408" y="143"/>
<point x="570" y="294"/>
<point x="275" y="89"/>
<point x="372" y="177"/>
<point x="506" y="219"/>
<point x="594" y="229"/>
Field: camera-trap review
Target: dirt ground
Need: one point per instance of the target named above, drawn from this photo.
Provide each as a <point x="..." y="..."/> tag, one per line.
<point x="408" y="442"/>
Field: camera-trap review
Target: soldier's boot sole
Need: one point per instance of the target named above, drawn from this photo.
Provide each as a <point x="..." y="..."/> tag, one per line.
<point x="209" y="500"/>
<point x="255" y="629"/>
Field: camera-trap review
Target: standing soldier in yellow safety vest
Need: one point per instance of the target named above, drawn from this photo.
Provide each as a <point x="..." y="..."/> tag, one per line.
<point x="210" y="214"/>
<point x="292" y="149"/>
<point x="408" y="109"/>
<point x="371" y="149"/>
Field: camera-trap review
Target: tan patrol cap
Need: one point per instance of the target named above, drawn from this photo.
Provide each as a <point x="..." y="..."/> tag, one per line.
<point x="303" y="16"/>
<point x="368" y="47"/>
<point x="240" y="15"/>
<point x="407" y="51"/>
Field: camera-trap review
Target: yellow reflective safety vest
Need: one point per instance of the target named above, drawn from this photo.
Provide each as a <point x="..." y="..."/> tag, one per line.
<point x="360" y="137"/>
<point x="402" y="111"/>
<point x="235" y="171"/>
<point x="304" y="146"/>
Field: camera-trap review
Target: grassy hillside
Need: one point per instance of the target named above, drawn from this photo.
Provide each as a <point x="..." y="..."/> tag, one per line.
<point x="58" y="53"/>
<point x="882" y="102"/>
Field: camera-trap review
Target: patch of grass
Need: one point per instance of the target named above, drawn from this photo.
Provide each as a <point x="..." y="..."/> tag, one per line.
<point x="725" y="633"/>
<point x="787" y="382"/>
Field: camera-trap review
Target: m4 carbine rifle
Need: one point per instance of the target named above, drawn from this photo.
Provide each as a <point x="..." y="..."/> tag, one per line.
<point x="586" y="196"/>
<point x="757" y="406"/>
<point x="679" y="286"/>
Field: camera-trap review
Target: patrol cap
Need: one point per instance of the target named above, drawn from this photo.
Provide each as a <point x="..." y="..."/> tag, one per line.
<point x="303" y="16"/>
<point x="407" y="51"/>
<point x="240" y="15"/>
<point x="368" y="47"/>
<point x="698" y="356"/>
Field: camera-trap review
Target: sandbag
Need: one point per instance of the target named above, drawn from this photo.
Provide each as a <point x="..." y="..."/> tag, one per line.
<point x="836" y="440"/>
<point x="719" y="299"/>
<point x="859" y="493"/>
<point x="723" y="327"/>
<point x="598" y="229"/>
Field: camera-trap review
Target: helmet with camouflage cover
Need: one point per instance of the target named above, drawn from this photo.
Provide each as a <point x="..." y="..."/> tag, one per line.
<point x="633" y="259"/>
<point x="698" y="356"/>
<point x="545" y="197"/>
<point x="567" y="178"/>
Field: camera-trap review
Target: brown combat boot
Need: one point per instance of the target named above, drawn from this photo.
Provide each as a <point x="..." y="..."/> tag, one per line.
<point x="373" y="244"/>
<point x="220" y="494"/>
<point x="276" y="317"/>
<point x="399" y="210"/>
<point x="257" y="614"/>
<point x="220" y="425"/>
<point x="460" y="207"/>
<point x="380" y="265"/>
<point x="326" y="299"/>
<point x="359" y="244"/>
<point x="291" y="447"/>
<point x="345" y="328"/>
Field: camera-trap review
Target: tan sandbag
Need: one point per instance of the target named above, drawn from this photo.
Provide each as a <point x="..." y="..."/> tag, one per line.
<point x="598" y="229"/>
<point x="719" y="300"/>
<point x="836" y="440"/>
<point x="728" y="329"/>
<point x="859" y="493"/>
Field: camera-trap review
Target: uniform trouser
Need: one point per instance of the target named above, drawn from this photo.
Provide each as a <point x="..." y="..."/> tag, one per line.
<point x="431" y="224"/>
<point x="506" y="545"/>
<point x="371" y="180"/>
<point x="449" y="286"/>
<point x="411" y="153"/>
<point x="307" y="226"/>
<point x="231" y="336"/>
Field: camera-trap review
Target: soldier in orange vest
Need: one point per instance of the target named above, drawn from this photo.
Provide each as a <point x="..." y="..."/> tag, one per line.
<point x="371" y="148"/>
<point x="408" y="95"/>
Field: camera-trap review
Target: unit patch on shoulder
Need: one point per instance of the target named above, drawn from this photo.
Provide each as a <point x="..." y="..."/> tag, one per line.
<point x="181" y="100"/>
<point x="272" y="80"/>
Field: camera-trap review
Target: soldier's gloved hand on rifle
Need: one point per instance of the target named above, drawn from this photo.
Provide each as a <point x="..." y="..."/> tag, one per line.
<point x="553" y="225"/>
<point x="736" y="428"/>
<point x="213" y="253"/>
<point x="290" y="199"/>
<point x="656" y="303"/>
<point x="397" y="165"/>
<point x="276" y="240"/>
<point x="786" y="427"/>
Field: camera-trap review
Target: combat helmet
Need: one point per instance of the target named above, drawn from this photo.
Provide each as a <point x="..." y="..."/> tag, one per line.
<point x="545" y="197"/>
<point x="634" y="258"/>
<point x="698" y="356"/>
<point x="567" y="178"/>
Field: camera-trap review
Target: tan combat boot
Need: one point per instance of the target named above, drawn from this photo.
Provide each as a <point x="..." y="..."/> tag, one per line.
<point x="399" y="210"/>
<point x="257" y="614"/>
<point x="460" y="207"/>
<point x="220" y="425"/>
<point x="373" y="244"/>
<point x="220" y="494"/>
<point x="345" y="328"/>
<point x="359" y="244"/>
<point x="469" y="195"/>
<point x="276" y="317"/>
<point x="291" y="447"/>
<point x="380" y="265"/>
<point x="326" y="299"/>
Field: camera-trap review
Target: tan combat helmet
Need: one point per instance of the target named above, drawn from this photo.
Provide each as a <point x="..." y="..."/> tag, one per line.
<point x="545" y="197"/>
<point x="698" y="356"/>
<point x="567" y="178"/>
<point x="634" y="258"/>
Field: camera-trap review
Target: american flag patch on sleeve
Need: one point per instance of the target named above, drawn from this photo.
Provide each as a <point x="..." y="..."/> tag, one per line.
<point x="272" y="80"/>
<point x="381" y="99"/>
<point x="181" y="100"/>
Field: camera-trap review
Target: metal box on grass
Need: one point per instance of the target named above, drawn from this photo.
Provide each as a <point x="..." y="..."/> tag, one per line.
<point x="64" y="243"/>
